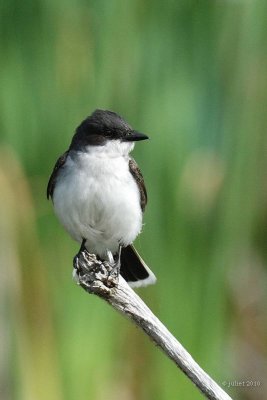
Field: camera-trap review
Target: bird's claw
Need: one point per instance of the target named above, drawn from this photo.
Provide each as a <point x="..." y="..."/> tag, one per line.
<point x="88" y="269"/>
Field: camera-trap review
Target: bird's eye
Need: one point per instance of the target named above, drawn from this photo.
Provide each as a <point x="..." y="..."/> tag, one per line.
<point x="108" y="132"/>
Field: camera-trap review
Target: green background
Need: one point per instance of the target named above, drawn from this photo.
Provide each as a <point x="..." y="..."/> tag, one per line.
<point x="193" y="76"/>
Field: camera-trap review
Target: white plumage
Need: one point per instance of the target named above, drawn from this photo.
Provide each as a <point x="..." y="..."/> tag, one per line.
<point x="98" y="199"/>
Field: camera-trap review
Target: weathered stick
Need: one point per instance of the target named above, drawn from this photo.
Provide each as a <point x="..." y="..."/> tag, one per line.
<point x="101" y="279"/>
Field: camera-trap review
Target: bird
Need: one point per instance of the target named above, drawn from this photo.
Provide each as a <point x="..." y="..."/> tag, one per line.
<point x="99" y="194"/>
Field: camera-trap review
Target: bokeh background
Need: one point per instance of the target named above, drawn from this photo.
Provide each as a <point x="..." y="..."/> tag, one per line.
<point x="193" y="76"/>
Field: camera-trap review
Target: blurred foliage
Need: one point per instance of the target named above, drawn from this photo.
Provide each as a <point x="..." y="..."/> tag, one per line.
<point x="191" y="74"/>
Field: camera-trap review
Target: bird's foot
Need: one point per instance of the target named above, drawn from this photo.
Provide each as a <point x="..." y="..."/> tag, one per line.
<point x="94" y="275"/>
<point x="75" y="262"/>
<point x="114" y="271"/>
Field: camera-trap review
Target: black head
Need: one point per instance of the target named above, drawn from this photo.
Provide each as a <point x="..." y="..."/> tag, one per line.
<point x="101" y="126"/>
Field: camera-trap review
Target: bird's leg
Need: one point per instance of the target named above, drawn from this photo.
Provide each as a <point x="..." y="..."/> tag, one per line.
<point x="82" y="248"/>
<point x="76" y="260"/>
<point x="118" y="262"/>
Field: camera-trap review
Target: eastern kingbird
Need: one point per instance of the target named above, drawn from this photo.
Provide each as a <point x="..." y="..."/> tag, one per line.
<point x="99" y="194"/>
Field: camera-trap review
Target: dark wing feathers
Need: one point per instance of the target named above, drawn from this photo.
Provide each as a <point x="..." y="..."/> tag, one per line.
<point x="136" y="173"/>
<point x="52" y="180"/>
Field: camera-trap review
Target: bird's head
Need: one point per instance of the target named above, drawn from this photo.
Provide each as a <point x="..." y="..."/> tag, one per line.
<point x="104" y="126"/>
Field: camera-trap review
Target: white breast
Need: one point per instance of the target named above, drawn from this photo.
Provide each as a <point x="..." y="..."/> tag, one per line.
<point x="96" y="198"/>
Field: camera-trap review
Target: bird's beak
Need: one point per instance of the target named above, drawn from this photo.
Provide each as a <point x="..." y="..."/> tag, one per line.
<point x="134" y="136"/>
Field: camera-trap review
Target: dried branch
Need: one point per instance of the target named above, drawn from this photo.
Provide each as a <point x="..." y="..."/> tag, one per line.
<point x="101" y="279"/>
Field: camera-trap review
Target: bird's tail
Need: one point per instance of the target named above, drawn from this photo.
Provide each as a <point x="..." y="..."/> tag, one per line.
<point x="134" y="270"/>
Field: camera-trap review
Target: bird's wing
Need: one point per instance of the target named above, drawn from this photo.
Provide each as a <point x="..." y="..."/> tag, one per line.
<point x="137" y="175"/>
<point x="52" y="180"/>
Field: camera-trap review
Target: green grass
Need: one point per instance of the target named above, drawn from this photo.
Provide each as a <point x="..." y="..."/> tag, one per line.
<point x="192" y="75"/>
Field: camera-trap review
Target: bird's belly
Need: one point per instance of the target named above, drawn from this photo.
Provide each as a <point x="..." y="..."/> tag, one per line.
<point x="103" y="208"/>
